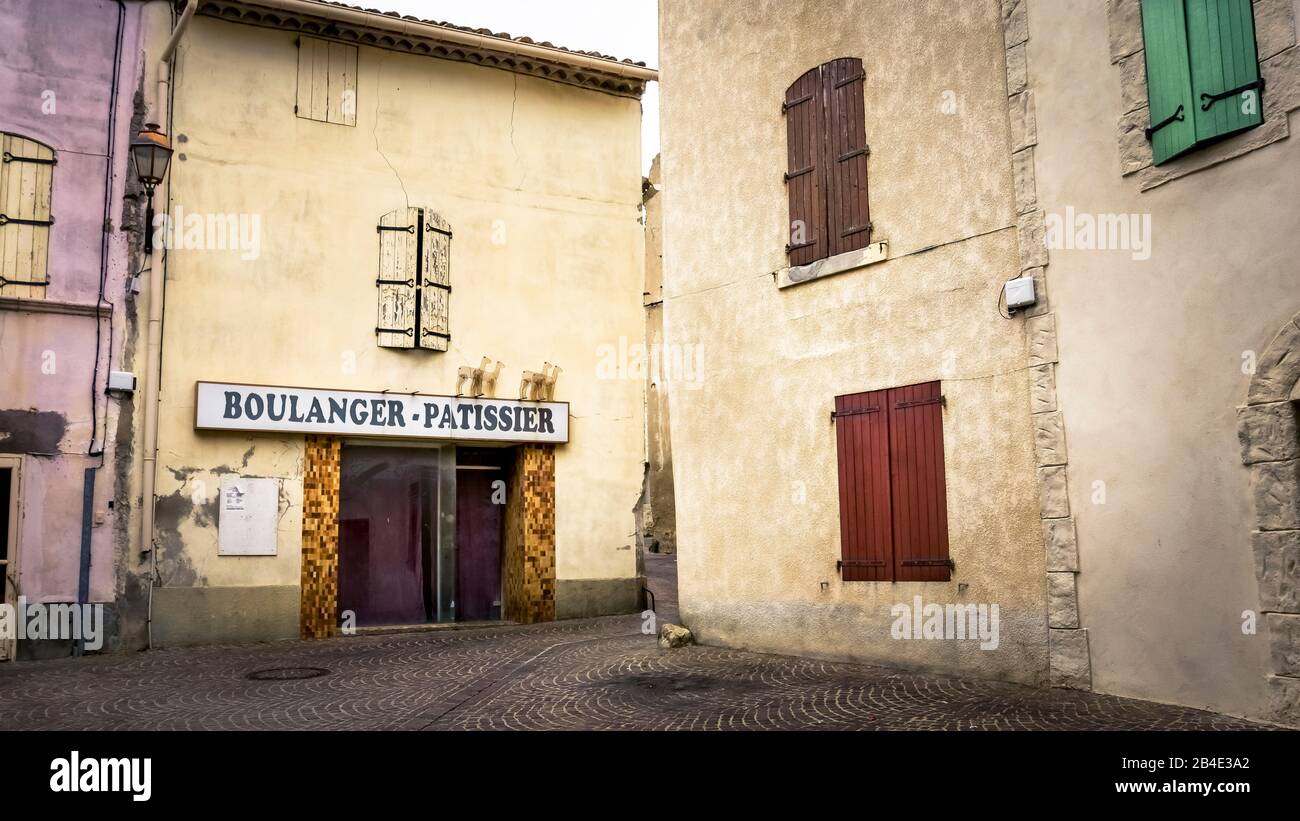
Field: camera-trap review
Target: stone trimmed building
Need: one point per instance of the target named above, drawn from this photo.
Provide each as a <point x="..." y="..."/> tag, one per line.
<point x="896" y="437"/>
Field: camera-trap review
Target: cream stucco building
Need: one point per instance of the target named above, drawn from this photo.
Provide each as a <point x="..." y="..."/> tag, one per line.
<point x="439" y="230"/>
<point x="1118" y="470"/>
<point x="761" y="549"/>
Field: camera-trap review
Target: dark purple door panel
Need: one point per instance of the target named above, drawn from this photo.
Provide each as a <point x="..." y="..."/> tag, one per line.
<point x="478" y="540"/>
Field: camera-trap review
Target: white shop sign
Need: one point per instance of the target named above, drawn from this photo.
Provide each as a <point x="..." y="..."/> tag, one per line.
<point x="222" y="406"/>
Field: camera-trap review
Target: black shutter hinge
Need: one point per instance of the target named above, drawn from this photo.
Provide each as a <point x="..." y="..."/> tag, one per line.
<point x="854" y="412"/>
<point x="410" y="229"/>
<point x="937" y="400"/>
<point x="402" y="331"/>
<point x="5" y="219"/>
<point x="1177" y="116"/>
<point x="8" y="158"/>
<point x="791" y="104"/>
<point x="789" y="175"/>
<point x="1208" y="100"/>
<point x="948" y="563"/>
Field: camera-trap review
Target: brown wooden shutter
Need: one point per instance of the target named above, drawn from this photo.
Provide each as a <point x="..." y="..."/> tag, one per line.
<point x="848" y="223"/>
<point x="435" y="284"/>
<point x="805" y="177"/>
<point x="920" y="506"/>
<point x="866" y="522"/>
<point x="398" y="278"/>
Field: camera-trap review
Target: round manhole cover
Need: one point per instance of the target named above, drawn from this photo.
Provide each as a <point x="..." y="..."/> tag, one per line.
<point x="287" y="673"/>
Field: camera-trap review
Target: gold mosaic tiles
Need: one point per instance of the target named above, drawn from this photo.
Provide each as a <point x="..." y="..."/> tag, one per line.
<point x="320" y="537"/>
<point x="530" y="536"/>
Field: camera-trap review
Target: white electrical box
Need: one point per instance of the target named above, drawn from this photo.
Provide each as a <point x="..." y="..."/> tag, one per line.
<point x="121" y="381"/>
<point x="249" y="512"/>
<point x="1020" y="293"/>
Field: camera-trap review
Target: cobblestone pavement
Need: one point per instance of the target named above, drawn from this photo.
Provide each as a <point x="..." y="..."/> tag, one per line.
<point x="587" y="674"/>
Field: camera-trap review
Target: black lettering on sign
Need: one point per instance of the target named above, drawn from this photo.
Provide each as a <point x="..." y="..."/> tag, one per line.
<point x="253" y="406"/>
<point x="232" y="410"/>
<point x="338" y="410"/>
<point x="315" y="414"/>
<point x="396" y="418"/>
<point x="359" y="414"/>
<point x="294" y="416"/>
<point x="490" y="418"/>
<point x="271" y="412"/>
<point x="547" y="427"/>
<point x="376" y="411"/>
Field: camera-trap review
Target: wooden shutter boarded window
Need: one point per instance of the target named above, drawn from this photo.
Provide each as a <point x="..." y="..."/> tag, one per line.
<point x="866" y="519"/>
<point x="918" y="484"/>
<point x="826" y="171"/>
<point x="1221" y="44"/>
<point x="893" y="500"/>
<point x="399" y="273"/>
<point x="1203" y="79"/>
<point x="327" y="81"/>
<point x="849" y="223"/>
<point x="414" y="280"/>
<point x="435" y="283"/>
<point x="805" y="177"/>
<point x="26" y="178"/>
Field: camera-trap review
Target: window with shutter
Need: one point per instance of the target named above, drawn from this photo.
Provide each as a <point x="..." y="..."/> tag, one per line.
<point x="327" y="81"/>
<point x="1203" y="81"/>
<point x="826" y="174"/>
<point x="26" y="180"/>
<point x="414" y="280"/>
<point x="893" y="498"/>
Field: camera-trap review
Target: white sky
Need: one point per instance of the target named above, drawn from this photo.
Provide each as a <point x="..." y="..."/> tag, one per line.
<point x="627" y="29"/>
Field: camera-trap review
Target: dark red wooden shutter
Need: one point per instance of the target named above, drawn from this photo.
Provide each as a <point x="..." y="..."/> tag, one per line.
<point x="805" y="175"/>
<point x="920" y="505"/>
<point x="866" y="529"/>
<point x="848" y="223"/>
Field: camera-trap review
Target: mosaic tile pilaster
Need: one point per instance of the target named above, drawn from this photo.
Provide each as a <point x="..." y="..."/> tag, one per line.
<point x="530" y="536"/>
<point x="320" y="537"/>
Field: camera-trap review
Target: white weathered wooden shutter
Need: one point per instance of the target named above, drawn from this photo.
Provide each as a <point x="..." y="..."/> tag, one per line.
<point x="398" y="280"/>
<point x="327" y="81"/>
<point x="26" y="176"/>
<point x="435" y="283"/>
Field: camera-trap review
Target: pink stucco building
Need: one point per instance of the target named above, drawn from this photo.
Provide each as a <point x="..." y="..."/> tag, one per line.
<point x="70" y="74"/>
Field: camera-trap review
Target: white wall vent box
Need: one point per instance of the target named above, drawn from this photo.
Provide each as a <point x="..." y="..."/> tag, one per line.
<point x="1020" y="293"/>
<point x="121" y="381"/>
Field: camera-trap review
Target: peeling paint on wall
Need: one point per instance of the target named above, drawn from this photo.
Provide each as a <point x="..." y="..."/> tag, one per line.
<point x="31" y="431"/>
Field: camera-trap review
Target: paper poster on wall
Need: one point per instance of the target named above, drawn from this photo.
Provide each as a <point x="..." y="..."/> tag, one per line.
<point x="247" y="520"/>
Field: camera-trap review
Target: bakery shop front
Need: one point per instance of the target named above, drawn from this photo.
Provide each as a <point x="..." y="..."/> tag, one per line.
<point x="418" y="509"/>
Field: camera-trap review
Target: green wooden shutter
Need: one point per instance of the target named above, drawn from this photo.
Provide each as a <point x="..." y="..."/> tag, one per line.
<point x="1169" y="79"/>
<point x="1221" y="43"/>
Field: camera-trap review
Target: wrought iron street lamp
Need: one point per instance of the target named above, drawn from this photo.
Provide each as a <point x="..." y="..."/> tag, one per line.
<point x="151" y="152"/>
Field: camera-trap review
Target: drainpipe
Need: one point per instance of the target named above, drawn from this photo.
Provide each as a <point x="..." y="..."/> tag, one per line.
<point x="153" y="356"/>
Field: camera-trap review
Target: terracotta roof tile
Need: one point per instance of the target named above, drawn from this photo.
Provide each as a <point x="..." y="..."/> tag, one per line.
<point x="486" y="32"/>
